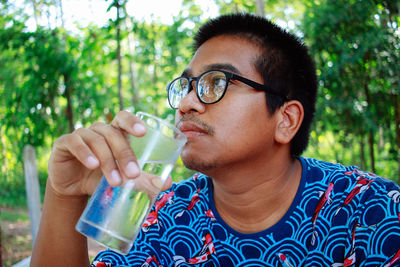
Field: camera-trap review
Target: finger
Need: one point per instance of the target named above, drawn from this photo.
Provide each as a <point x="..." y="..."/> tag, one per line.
<point x="130" y="123"/>
<point x="91" y="184"/>
<point x="144" y="183"/>
<point x="158" y="183"/>
<point x="167" y="184"/>
<point x="101" y="149"/>
<point x="120" y="149"/>
<point x="74" y="145"/>
<point x="151" y="184"/>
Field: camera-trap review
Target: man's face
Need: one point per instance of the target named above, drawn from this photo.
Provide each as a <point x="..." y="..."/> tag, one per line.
<point x="238" y="128"/>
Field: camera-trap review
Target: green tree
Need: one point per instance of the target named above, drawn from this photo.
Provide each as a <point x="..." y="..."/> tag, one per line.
<point x="354" y="44"/>
<point x="45" y="87"/>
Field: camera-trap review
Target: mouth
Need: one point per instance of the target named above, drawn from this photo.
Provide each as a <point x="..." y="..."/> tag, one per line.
<point x="191" y="130"/>
<point x="191" y="126"/>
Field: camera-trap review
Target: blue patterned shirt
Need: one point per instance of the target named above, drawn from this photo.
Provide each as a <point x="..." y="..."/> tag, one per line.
<point x="341" y="216"/>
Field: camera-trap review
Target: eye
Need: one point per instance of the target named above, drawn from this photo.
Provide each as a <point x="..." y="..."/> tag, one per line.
<point x="183" y="83"/>
<point x="219" y="87"/>
<point x="219" y="82"/>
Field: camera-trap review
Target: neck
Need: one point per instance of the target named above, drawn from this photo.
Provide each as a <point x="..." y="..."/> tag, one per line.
<point x="254" y="197"/>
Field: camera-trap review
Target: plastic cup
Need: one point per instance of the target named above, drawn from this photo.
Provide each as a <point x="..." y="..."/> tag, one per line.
<point x="115" y="215"/>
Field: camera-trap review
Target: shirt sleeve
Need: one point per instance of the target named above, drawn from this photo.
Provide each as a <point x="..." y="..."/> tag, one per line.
<point x="380" y="222"/>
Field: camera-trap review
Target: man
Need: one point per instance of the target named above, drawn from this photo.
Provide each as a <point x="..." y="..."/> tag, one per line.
<point x="245" y="103"/>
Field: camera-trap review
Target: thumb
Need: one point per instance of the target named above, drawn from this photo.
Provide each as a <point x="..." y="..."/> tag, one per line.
<point x="167" y="184"/>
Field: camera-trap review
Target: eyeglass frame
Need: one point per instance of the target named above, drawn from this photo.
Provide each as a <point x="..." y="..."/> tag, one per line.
<point x="228" y="75"/>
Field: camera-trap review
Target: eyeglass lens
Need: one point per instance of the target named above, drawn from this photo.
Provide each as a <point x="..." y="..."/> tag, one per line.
<point x="210" y="88"/>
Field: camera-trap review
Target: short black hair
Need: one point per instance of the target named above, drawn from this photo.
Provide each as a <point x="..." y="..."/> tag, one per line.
<point x="284" y="64"/>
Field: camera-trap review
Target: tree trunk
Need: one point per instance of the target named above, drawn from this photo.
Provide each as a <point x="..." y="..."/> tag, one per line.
<point x="370" y="131"/>
<point x="397" y="125"/>
<point x="260" y="7"/>
<point x="363" y="164"/>
<point x="371" y="150"/>
<point x="131" y="45"/>
<point x="154" y="81"/>
<point x="67" y="94"/>
<point x="154" y="78"/>
<point x="381" y="139"/>
<point x="1" y="260"/>
<point x="60" y="6"/>
<point x="5" y="160"/>
<point x="36" y="13"/>
<point x="132" y="71"/>
<point x="121" y="101"/>
<point x="395" y="97"/>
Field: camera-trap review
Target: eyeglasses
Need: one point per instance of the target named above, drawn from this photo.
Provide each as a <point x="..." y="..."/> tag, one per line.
<point x="210" y="87"/>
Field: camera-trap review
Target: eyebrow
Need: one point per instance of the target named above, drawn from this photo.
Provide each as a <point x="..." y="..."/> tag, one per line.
<point x="217" y="66"/>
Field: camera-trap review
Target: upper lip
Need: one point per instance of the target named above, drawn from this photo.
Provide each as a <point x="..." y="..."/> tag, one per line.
<point x="186" y="126"/>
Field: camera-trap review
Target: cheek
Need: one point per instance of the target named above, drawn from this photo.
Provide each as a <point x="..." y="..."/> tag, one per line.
<point x="248" y="125"/>
<point x="244" y="136"/>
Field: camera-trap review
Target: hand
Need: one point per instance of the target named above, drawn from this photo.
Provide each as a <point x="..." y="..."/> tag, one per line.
<point x="78" y="160"/>
<point x="151" y="185"/>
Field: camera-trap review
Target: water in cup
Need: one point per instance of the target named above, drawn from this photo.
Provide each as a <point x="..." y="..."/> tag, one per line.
<point x="116" y="214"/>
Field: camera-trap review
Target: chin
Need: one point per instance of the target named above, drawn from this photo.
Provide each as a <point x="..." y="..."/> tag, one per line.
<point x="198" y="164"/>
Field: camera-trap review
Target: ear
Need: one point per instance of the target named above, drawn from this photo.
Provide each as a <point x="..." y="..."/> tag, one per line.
<point x="289" y="119"/>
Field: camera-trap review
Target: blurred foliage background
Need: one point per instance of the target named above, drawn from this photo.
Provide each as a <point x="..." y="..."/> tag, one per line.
<point x="54" y="80"/>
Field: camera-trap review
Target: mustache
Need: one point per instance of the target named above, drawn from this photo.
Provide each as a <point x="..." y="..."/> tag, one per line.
<point x="195" y="120"/>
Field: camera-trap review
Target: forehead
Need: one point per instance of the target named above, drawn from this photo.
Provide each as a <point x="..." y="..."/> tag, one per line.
<point x="226" y="50"/>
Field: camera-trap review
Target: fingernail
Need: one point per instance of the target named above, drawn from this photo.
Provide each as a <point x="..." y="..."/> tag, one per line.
<point x="138" y="128"/>
<point x="157" y="182"/>
<point x="115" y="177"/>
<point x="132" y="169"/>
<point x="92" y="161"/>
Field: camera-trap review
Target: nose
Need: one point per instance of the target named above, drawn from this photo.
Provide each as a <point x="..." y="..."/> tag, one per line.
<point x="190" y="103"/>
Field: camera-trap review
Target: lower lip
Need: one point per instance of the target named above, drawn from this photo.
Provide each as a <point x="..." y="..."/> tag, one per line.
<point x="192" y="134"/>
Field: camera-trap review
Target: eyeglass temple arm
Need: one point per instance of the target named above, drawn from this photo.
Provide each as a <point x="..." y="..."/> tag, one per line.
<point x="257" y="86"/>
